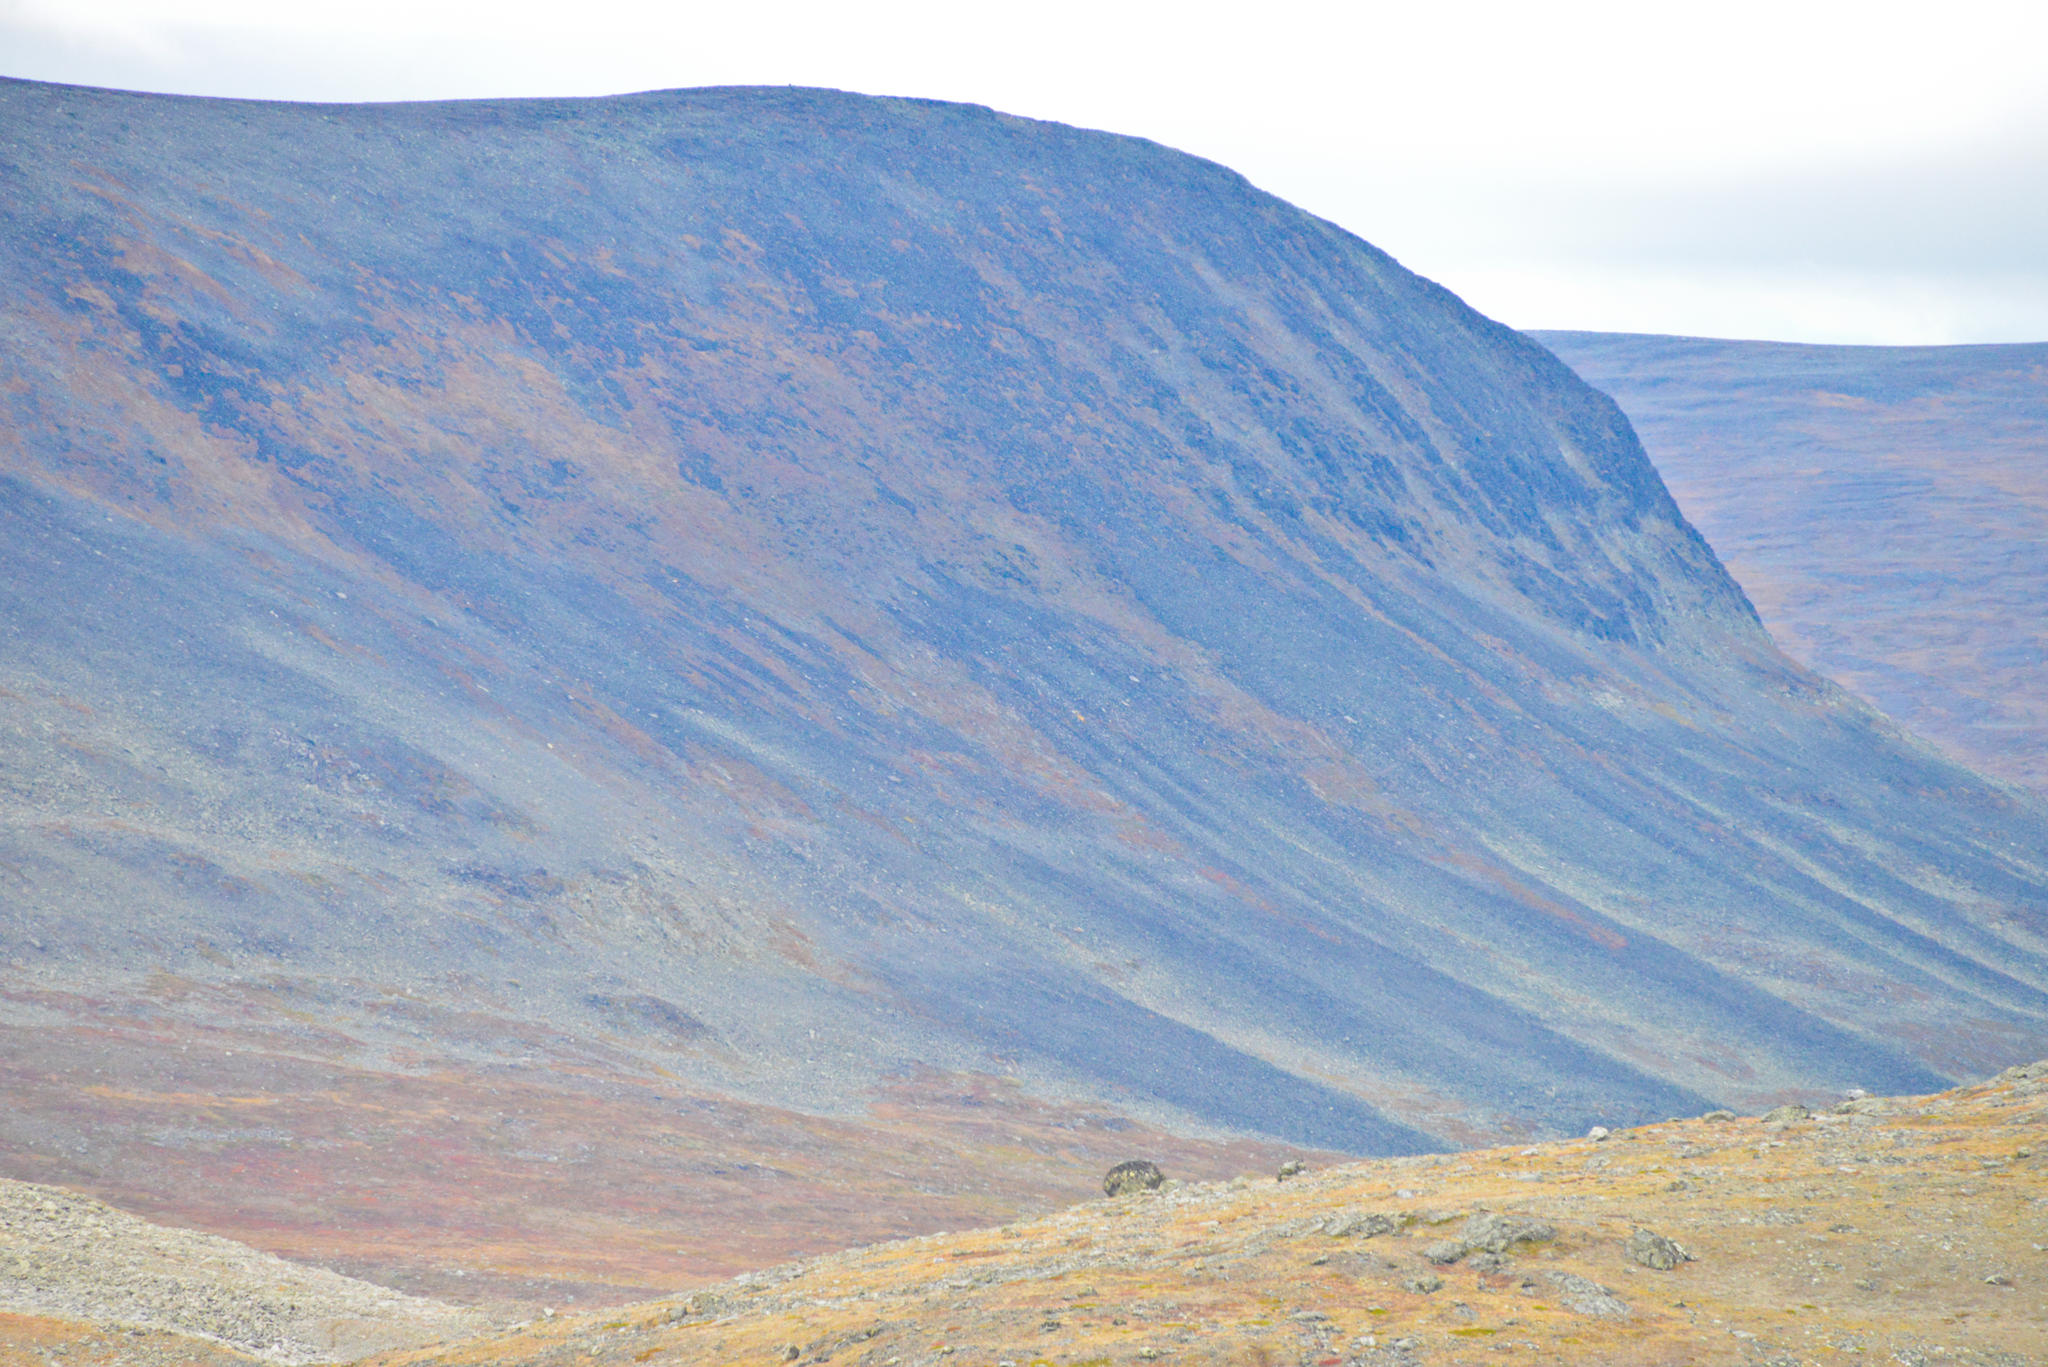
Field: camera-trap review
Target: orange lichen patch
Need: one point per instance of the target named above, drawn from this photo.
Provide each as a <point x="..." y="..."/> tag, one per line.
<point x="1140" y="834"/>
<point x="1500" y="877"/>
<point x="1222" y="878"/>
<point x="1885" y="1230"/>
<point x="1346" y="783"/>
<point x="314" y="632"/>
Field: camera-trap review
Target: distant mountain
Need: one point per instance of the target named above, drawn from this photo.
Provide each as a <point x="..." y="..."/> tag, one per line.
<point x="1885" y="507"/>
<point x="539" y="634"/>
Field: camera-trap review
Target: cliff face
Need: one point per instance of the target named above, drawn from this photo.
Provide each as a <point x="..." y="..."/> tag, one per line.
<point x="1886" y="507"/>
<point x="790" y="590"/>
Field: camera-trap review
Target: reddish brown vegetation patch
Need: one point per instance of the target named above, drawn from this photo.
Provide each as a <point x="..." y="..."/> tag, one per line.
<point x="535" y="1184"/>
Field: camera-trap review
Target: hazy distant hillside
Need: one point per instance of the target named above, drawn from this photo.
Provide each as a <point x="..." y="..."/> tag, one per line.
<point x="822" y="607"/>
<point x="1886" y="507"/>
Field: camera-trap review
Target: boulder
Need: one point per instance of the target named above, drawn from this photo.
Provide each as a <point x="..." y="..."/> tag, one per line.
<point x="1654" y="1251"/>
<point x="696" y="1303"/>
<point x="1500" y="1233"/>
<point x="1583" y="1296"/>
<point x="1133" y="1175"/>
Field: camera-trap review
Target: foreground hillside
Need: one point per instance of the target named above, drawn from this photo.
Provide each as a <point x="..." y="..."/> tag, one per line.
<point x="803" y="668"/>
<point x="1881" y="1230"/>
<point x="1885" y="507"/>
<point x="77" y="1272"/>
<point x="1894" y="1230"/>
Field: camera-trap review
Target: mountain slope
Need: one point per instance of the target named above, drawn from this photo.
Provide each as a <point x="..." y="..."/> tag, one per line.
<point x="1885" y="506"/>
<point x="771" y="594"/>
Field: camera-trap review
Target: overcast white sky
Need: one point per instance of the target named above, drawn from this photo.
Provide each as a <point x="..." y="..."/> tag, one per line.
<point x="1867" y="172"/>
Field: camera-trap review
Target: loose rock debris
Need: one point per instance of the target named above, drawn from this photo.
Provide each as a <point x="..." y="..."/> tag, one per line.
<point x="69" y="1257"/>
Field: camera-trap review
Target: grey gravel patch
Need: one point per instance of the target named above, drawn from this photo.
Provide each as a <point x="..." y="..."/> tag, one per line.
<point x="71" y="1257"/>
<point x="1583" y="1296"/>
<point x="1388" y="1356"/>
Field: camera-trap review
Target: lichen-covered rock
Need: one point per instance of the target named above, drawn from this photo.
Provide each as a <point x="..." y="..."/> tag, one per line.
<point x="1655" y="1251"/>
<point x="695" y="1304"/>
<point x="1424" y="1283"/>
<point x="1788" y="1114"/>
<point x="1137" y="1174"/>
<point x="1359" y="1224"/>
<point x="1446" y="1251"/>
<point x="1583" y="1296"/>
<point x="1499" y="1233"/>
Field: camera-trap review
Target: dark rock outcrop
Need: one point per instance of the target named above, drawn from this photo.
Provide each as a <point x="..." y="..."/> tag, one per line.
<point x="1135" y="1175"/>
